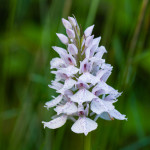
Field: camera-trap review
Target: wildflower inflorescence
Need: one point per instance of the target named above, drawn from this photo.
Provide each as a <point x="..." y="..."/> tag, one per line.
<point x="81" y="76"/>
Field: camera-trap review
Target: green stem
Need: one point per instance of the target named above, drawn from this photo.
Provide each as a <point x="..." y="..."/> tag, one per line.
<point x="87" y="142"/>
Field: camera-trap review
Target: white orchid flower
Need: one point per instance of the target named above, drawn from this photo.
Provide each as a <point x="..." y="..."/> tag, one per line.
<point x="80" y="79"/>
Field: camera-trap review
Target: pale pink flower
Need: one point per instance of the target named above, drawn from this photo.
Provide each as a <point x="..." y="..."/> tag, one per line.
<point x="80" y="80"/>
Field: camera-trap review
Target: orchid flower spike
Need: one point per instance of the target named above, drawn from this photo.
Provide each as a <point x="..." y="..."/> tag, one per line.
<point x="81" y="75"/>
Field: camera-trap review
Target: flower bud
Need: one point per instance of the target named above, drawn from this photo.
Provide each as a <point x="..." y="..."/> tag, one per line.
<point x="70" y="33"/>
<point x="72" y="49"/>
<point x="72" y="21"/>
<point x="62" y="38"/>
<point x="66" y="23"/>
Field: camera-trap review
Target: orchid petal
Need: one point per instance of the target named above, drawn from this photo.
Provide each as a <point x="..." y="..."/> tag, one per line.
<point x="106" y="88"/>
<point x="70" y="33"/>
<point x="62" y="38"/>
<point x="88" y="41"/>
<point x="69" y="59"/>
<point x="99" y="106"/>
<point x="89" y="78"/>
<point x="106" y="76"/>
<point x="60" y="51"/>
<point x="53" y="102"/>
<point x="66" y="23"/>
<point x="96" y="42"/>
<point x="84" y="125"/>
<point x="72" y="49"/>
<point x="88" y="31"/>
<point x="80" y="84"/>
<point x="85" y="66"/>
<point x="100" y="73"/>
<point x="57" y="63"/>
<point x="107" y="67"/>
<point x="100" y="51"/>
<point x="116" y="114"/>
<point x="69" y="83"/>
<point x="55" y="123"/>
<point x="56" y="85"/>
<point x="97" y="61"/>
<point x="68" y="109"/>
<point x="81" y="96"/>
<point x="69" y="71"/>
<point x="72" y="21"/>
<point x="105" y="116"/>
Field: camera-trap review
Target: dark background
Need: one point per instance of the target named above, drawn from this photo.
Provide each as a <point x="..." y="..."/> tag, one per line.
<point x="28" y="30"/>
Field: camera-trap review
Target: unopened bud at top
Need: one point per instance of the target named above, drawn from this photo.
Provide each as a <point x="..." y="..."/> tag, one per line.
<point x="72" y="21"/>
<point x="66" y="23"/>
<point x="62" y="38"/>
<point x="70" y="33"/>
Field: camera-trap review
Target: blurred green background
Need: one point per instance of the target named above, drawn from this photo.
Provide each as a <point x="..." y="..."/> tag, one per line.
<point x="28" y="30"/>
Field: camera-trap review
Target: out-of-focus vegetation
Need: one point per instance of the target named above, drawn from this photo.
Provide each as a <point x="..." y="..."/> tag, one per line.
<point x="27" y="32"/>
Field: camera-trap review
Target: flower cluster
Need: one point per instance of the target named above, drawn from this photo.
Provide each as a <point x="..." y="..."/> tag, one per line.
<point x="81" y="76"/>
